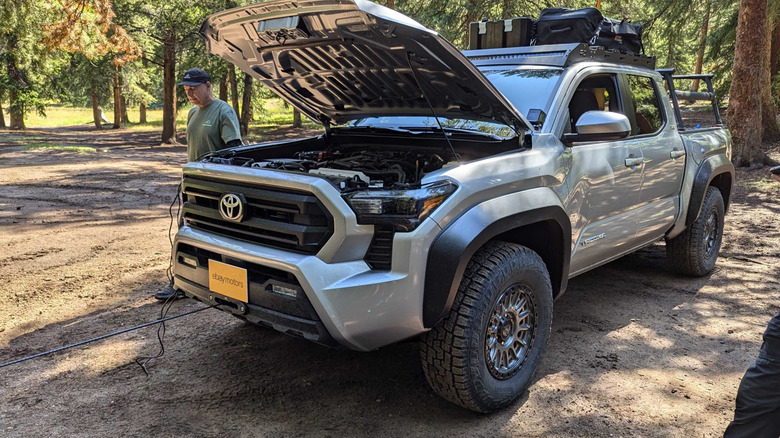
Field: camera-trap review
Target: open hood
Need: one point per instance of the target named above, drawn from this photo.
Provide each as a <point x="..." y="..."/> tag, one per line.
<point x="340" y="60"/>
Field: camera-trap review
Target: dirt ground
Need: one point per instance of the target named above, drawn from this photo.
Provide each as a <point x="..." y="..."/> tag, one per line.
<point x="635" y="350"/>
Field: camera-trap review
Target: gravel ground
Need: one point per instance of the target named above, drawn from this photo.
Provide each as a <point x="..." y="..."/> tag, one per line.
<point x="635" y="350"/>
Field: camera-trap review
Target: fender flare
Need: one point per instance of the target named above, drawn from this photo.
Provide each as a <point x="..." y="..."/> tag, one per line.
<point x="709" y="169"/>
<point x="454" y="247"/>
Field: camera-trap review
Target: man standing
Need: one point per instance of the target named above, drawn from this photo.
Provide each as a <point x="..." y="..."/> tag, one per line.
<point x="211" y="125"/>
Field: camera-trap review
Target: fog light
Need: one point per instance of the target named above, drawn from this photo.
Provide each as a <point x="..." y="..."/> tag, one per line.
<point x="284" y="290"/>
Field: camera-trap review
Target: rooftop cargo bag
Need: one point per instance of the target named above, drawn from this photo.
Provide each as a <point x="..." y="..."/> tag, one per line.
<point x="560" y="26"/>
<point x="620" y="35"/>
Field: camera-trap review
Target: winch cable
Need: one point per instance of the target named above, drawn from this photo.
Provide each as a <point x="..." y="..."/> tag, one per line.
<point x="99" y="338"/>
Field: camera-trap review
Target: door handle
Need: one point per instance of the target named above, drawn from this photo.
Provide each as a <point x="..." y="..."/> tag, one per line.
<point x="676" y="154"/>
<point x="630" y="162"/>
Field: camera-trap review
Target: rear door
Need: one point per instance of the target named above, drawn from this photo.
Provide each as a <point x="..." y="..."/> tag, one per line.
<point x="663" y="153"/>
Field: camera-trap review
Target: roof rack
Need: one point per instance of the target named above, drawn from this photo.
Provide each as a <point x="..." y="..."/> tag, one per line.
<point x="676" y="95"/>
<point x="556" y="55"/>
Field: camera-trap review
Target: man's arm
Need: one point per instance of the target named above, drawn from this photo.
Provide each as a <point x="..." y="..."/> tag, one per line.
<point x="229" y="128"/>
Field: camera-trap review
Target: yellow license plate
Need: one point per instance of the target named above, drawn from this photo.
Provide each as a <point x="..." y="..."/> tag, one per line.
<point x="230" y="281"/>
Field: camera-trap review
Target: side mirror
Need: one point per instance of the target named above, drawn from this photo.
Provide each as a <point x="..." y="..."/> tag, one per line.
<point x="599" y="126"/>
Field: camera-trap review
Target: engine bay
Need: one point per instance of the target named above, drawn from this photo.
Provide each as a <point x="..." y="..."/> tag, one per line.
<point x="352" y="169"/>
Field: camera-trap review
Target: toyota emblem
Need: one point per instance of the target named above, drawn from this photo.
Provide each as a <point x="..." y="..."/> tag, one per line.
<point x="231" y="207"/>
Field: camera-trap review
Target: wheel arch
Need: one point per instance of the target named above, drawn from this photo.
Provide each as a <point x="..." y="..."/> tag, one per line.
<point x="545" y="229"/>
<point x="716" y="171"/>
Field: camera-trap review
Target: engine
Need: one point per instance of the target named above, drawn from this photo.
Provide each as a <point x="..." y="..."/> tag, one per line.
<point x="355" y="169"/>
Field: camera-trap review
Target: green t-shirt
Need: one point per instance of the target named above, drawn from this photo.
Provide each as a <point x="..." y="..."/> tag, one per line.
<point x="210" y="128"/>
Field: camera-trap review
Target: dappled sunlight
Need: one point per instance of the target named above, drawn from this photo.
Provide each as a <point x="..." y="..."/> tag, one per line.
<point x="635" y="350"/>
<point x="95" y="359"/>
<point x="635" y="332"/>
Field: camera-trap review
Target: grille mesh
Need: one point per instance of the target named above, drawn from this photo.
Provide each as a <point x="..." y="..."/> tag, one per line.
<point x="278" y="218"/>
<point x="380" y="253"/>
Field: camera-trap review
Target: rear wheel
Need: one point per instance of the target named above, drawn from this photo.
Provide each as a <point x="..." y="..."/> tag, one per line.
<point x="695" y="251"/>
<point x="484" y="353"/>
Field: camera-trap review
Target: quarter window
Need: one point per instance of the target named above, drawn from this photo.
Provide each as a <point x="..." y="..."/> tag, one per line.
<point x="648" y="117"/>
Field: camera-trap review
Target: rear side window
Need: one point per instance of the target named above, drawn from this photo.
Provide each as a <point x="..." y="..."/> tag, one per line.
<point x="648" y="117"/>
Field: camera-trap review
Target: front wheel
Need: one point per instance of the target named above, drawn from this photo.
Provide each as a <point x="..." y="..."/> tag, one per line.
<point x="695" y="251"/>
<point x="484" y="353"/>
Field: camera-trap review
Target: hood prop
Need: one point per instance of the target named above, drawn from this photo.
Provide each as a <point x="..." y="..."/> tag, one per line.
<point x="422" y="91"/>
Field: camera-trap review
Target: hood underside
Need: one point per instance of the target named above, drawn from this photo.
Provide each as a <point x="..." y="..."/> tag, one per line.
<point x="340" y="60"/>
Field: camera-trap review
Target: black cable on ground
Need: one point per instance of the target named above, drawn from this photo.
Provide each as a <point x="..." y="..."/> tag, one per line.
<point x="142" y="361"/>
<point x="177" y="202"/>
<point x="159" y="321"/>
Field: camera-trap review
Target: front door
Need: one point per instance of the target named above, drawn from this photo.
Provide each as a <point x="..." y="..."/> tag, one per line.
<point x="604" y="181"/>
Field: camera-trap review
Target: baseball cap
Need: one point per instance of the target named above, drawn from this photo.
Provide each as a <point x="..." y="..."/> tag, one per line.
<point x="194" y="77"/>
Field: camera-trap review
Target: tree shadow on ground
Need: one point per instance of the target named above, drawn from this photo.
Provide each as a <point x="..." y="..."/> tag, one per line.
<point x="224" y="376"/>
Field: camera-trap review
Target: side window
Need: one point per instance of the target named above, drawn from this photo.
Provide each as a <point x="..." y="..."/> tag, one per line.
<point x="594" y="93"/>
<point x="648" y="117"/>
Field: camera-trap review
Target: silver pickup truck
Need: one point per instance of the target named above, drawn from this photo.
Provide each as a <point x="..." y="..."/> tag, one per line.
<point x="452" y="195"/>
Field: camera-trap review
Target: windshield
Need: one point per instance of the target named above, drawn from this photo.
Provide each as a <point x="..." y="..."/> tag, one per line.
<point x="526" y="88"/>
<point x="421" y="122"/>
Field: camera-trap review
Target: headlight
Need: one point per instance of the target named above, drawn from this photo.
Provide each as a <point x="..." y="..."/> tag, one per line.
<point x="404" y="209"/>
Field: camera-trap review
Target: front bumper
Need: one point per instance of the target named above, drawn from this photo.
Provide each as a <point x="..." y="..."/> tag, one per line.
<point x="343" y="303"/>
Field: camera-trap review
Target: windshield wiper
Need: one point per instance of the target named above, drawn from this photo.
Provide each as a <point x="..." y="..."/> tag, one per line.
<point x="456" y="130"/>
<point x="377" y="129"/>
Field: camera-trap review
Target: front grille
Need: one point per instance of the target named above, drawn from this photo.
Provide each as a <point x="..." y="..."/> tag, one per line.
<point x="284" y="219"/>
<point x="380" y="252"/>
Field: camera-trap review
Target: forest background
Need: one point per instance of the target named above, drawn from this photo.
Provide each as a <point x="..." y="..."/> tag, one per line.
<point x="129" y="54"/>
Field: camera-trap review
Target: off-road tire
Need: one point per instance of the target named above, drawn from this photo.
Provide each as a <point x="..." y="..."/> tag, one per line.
<point x="453" y="353"/>
<point x="695" y="251"/>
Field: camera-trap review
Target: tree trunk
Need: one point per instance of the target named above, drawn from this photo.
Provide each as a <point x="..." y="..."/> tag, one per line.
<point x="670" y="51"/>
<point x="770" y="132"/>
<point x="233" y="89"/>
<point x="145" y="87"/>
<point x="169" y="88"/>
<point x="16" y="108"/>
<point x="123" y="99"/>
<point x="96" y="110"/>
<point x="775" y="57"/>
<point x="391" y="4"/>
<point x="2" y="116"/>
<point x="246" y="105"/>
<point x="702" y="46"/>
<point x="117" y="100"/>
<point x="223" y="90"/>
<point x="471" y="15"/>
<point x="297" y="119"/>
<point x="744" y="112"/>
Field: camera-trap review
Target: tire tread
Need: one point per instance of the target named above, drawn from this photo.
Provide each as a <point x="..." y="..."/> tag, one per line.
<point x="443" y="350"/>
<point x="685" y="252"/>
